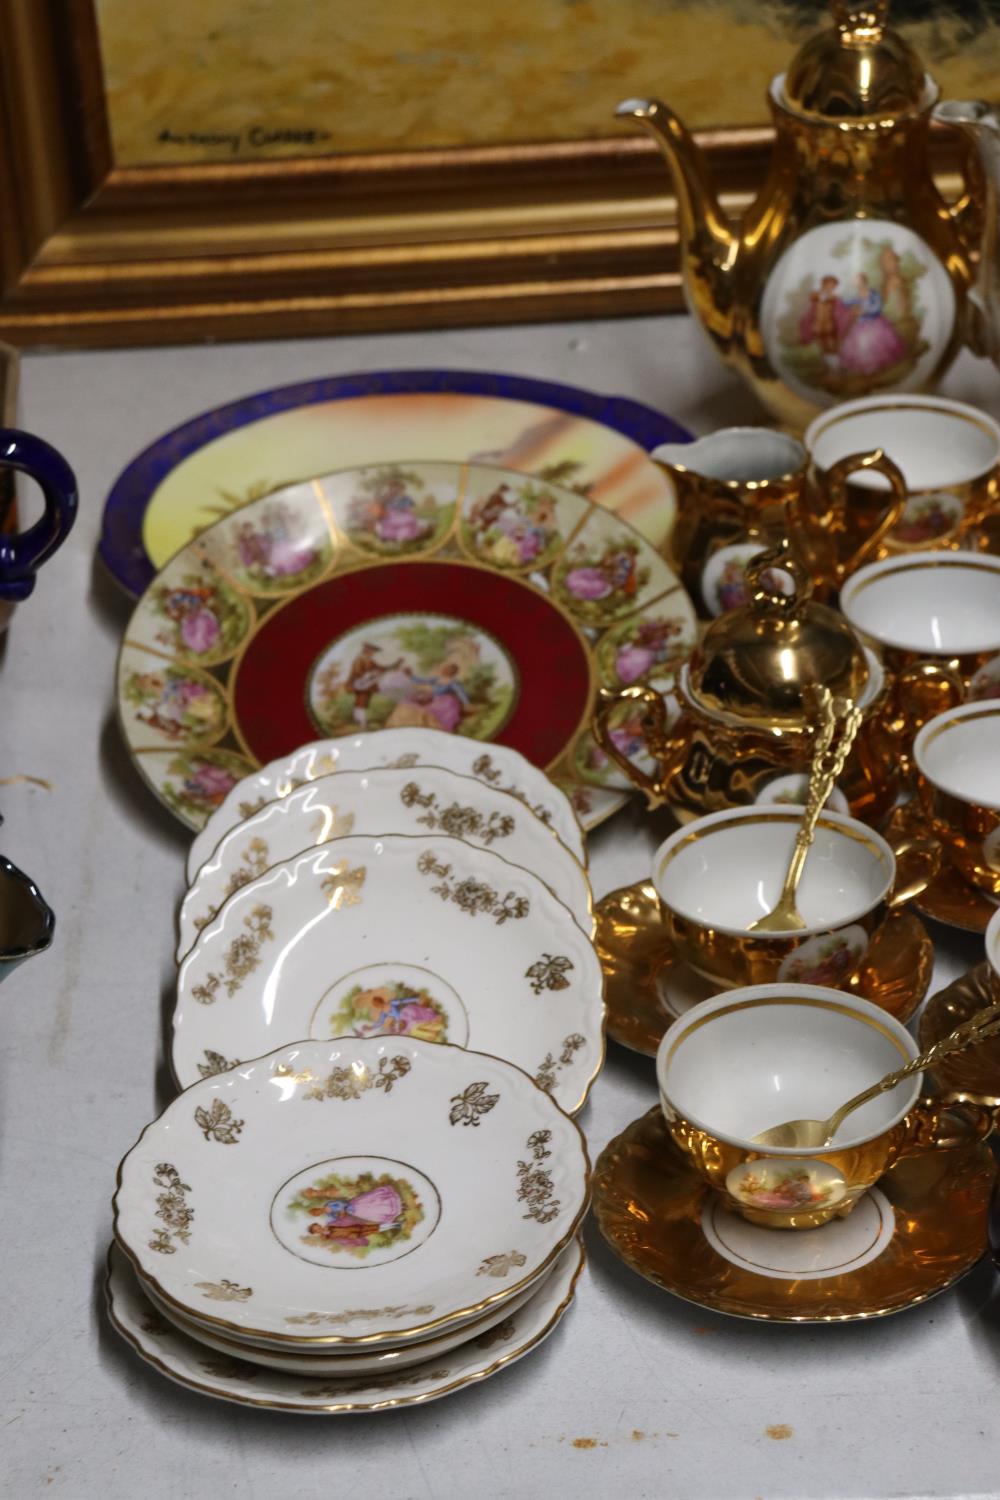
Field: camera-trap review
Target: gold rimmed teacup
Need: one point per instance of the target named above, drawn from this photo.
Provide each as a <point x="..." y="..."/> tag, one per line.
<point x="957" y="755"/>
<point x="740" y="1062"/>
<point x="935" y="620"/>
<point x="716" y="876"/>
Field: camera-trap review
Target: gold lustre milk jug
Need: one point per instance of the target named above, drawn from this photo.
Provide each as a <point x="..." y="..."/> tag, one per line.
<point x="849" y="273"/>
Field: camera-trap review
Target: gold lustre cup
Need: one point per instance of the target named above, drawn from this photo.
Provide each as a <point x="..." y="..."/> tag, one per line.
<point x="716" y="876"/>
<point x="957" y="755"/>
<point x="740" y="1063"/>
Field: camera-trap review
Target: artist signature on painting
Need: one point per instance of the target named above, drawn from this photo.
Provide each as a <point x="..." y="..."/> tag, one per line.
<point x="253" y="138"/>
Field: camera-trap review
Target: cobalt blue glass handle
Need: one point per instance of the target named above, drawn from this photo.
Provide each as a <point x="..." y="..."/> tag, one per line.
<point x="22" y="552"/>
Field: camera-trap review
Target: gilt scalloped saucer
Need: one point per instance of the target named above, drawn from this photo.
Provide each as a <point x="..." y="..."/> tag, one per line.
<point x="947" y="898"/>
<point x="386" y="800"/>
<point x="912" y="1236"/>
<point x="494" y="765"/>
<point x="476" y="601"/>
<point x="351" y="1192"/>
<point x="646" y="988"/>
<point x="975" y="1072"/>
<point x="396" y="936"/>
<point x="193" y="1364"/>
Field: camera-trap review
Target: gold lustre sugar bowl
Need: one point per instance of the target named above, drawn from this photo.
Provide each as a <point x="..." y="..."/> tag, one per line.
<point x="740" y="1063"/>
<point x="957" y="755"/>
<point x="716" y="876"/>
<point x="749" y="706"/>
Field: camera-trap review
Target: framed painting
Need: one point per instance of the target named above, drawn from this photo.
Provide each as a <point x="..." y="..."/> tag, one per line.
<point x="246" y="168"/>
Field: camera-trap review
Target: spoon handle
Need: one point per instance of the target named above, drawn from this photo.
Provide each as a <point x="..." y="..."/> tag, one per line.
<point x="827" y="766"/>
<point x="977" y="1028"/>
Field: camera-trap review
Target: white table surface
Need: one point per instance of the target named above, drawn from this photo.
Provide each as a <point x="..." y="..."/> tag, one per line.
<point x="671" y="1401"/>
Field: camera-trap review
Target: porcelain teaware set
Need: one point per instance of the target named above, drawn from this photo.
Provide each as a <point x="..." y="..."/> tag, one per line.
<point x="391" y="979"/>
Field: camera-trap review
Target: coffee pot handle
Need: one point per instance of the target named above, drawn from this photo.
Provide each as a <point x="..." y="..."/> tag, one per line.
<point x="661" y="743"/>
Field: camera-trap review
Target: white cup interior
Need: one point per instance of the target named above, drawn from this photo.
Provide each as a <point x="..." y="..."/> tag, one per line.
<point x="933" y="445"/>
<point x="771" y="1054"/>
<point x="726" y="870"/>
<point x="941" y="604"/>
<point x="959" y="751"/>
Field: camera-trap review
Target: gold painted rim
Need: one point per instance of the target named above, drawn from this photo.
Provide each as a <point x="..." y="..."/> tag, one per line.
<point x="397" y="1335"/>
<point x="738" y="818"/>
<point x="807" y="1003"/>
<point x="346" y="1406"/>
<point x="828" y="421"/>
<point x="932" y="732"/>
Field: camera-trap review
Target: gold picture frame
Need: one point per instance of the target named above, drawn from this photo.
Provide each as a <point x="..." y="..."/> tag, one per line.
<point x="94" y="254"/>
<point x="97" y="255"/>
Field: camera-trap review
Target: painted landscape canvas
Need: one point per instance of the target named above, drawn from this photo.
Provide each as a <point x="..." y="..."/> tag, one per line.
<point x="217" y="80"/>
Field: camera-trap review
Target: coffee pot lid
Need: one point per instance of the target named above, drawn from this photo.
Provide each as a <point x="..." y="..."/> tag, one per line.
<point x="758" y="664"/>
<point x="857" y="68"/>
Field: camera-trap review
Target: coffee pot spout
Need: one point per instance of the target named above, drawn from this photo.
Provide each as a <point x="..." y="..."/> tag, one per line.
<point x="708" y="243"/>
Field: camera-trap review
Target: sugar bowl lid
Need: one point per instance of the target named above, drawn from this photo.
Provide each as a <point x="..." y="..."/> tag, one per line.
<point x="857" y="68"/>
<point x="757" y="665"/>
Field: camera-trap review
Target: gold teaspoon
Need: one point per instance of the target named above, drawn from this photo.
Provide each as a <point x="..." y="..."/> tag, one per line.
<point x="811" y="1133"/>
<point x="826" y="766"/>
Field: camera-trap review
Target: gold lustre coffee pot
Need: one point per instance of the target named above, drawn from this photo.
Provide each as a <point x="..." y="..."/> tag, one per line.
<point x="748" y="706"/>
<point x="849" y="273"/>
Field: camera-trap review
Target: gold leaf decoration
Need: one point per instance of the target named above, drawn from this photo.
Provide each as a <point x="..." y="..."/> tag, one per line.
<point x="499" y="1265"/>
<point x="535" y="1186"/>
<point x="469" y="1107"/>
<point x="549" y="973"/>
<point x="357" y="1315"/>
<point x="352" y="1082"/>
<point x="218" y="1123"/>
<point x="224" y="1290"/>
<point x="552" y="1066"/>
<point x="172" y="1210"/>
<point x="343" y="885"/>
<point x="472" y="895"/>
<point x="457" y="821"/>
<point x="241" y="958"/>
<point x="216" y="1063"/>
<point x="499" y="1334"/>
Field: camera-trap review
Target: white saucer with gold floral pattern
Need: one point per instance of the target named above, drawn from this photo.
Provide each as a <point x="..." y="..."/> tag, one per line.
<point x="399" y="936"/>
<point x="383" y="800"/>
<point x="506" y="770"/>
<point x="379" y="1360"/>
<point x="345" y="1193"/>
<point x="200" y="1368"/>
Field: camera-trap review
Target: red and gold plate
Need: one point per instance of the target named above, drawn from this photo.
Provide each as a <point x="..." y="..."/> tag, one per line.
<point x="475" y="600"/>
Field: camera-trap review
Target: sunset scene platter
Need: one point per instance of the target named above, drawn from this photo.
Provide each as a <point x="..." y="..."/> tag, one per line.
<point x="413" y="595"/>
<point x="191" y="477"/>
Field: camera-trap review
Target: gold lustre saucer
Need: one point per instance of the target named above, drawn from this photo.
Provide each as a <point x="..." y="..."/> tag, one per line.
<point x="975" y="1073"/>
<point x="646" y="988"/>
<point x="947" y="897"/>
<point x="910" y="1237"/>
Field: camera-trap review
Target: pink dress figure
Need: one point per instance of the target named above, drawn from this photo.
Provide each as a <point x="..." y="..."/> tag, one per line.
<point x="210" y="784"/>
<point x="399" y="521"/>
<point x="871" y="343"/>
<point x="588" y="583"/>
<point x="285" y="555"/>
<point x="199" y="628"/>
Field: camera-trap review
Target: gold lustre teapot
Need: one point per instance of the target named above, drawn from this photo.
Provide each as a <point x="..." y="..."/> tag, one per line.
<point x="849" y="273"/>
<point x="748" y="710"/>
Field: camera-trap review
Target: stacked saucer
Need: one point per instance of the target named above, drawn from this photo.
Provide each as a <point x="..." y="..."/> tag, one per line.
<point x="349" y="1225"/>
<point x="400" y="883"/>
